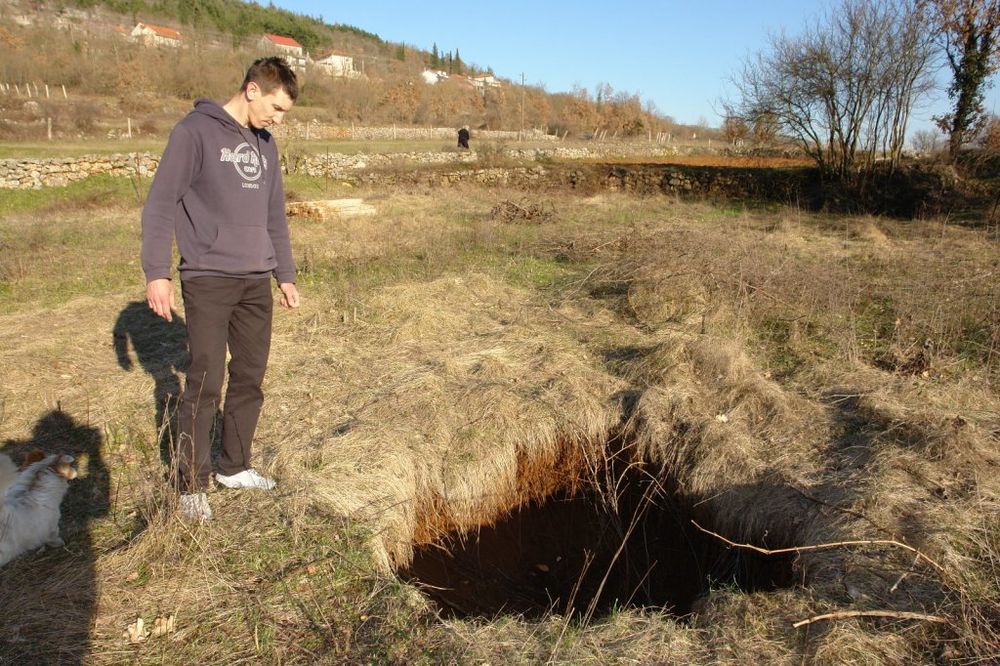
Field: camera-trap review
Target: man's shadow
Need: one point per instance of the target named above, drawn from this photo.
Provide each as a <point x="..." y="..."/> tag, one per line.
<point x="49" y="597"/>
<point x="160" y="348"/>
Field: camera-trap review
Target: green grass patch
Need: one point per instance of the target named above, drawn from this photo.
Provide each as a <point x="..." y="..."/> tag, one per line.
<point x="540" y="273"/>
<point x="309" y="188"/>
<point x="53" y="257"/>
<point x="789" y="345"/>
<point x="93" y="192"/>
<point x="61" y="148"/>
<point x="875" y="326"/>
<point x="390" y="146"/>
<point x="354" y="146"/>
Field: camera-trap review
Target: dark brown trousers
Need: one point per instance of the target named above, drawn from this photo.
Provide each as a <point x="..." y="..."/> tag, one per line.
<point x="222" y="311"/>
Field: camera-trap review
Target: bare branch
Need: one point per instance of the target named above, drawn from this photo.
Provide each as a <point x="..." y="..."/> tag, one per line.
<point x="900" y="615"/>
<point x="845" y="87"/>
<point x="824" y="546"/>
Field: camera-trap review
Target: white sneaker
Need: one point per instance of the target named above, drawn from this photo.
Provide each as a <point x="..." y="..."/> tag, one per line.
<point x="248" y="478"/>
<point x="194" y="506"/>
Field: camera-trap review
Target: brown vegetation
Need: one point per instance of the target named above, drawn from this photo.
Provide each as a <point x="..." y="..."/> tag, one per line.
<point x="390" y="91"/>
<point x="784" y="379"/>
<point x="719" y="160"/>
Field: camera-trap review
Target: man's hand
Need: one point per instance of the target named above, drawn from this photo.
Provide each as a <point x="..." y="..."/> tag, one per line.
<point x="289" y="295"/>
<point x="160" y="296"/>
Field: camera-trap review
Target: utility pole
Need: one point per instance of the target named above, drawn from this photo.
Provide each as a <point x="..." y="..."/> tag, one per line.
<point x="521" y="131"/>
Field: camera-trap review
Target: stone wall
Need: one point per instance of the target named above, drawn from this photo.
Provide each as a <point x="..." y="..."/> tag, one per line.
<point x="293" y="129"/>
<point x="554" y="167"/>
<point x="26" y="174"/>
<point x="779" y="185"/>
<point x="340" y="165"/>
<point x="915" y="190"/>
<point x="34" y="173"/>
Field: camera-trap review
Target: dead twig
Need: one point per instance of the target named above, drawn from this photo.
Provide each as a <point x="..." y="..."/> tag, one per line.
<point x="825" y="546"/>
<point x="902" y="576"/>
<point x="899" y="615"/>
<point x="523" y="212"/>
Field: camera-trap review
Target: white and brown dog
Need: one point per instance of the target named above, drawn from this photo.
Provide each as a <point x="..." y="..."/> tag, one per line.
<point x="29" y="514"/>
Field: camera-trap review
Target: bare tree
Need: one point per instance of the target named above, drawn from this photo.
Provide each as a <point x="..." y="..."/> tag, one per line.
<point x="844" y="88"/>
<point x="969" y="35"/>
<point x="927" y="141"/>
<point x="989" y="137"/>
<point x="734" y="129"/>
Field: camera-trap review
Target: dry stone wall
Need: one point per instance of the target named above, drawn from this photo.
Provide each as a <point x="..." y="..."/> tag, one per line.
<point x="316" y="130"/>
<point x="27" y="174"/>
<point x="340" y="165"/>
<point x="712" y="182"/>
<point x="915" y="190"/>
<point x="35" y="173"/>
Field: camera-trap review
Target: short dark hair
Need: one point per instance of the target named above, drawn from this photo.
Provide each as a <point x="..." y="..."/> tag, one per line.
<point x="270" y="74"/>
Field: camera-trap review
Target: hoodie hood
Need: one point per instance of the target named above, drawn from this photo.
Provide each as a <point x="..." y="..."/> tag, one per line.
<point x="213" y="109"/>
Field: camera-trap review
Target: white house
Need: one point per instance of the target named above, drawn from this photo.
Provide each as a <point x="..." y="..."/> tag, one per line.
<point x="485" y="81"/>
<point x="150" y="34"/>
<point x="432" y="76"/>
<point x="337" y="63"/>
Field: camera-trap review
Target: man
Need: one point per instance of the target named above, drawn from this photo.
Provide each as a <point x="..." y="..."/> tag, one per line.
<point x="218" y="189"/>
<point x="463" y="137"/>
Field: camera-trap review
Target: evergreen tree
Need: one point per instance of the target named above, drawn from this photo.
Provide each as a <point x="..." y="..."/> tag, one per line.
<point x="435" y="57"/>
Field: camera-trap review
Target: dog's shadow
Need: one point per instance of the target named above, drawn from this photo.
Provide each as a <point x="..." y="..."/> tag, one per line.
<point x="49" y="597"/>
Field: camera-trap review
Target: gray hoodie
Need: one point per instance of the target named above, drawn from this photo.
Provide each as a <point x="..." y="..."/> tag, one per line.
<point x="217" y="190"/>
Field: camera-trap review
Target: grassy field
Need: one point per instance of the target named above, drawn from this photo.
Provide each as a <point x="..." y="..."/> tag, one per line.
<point x="784" y="378"/>
<point x="43" y="149"/>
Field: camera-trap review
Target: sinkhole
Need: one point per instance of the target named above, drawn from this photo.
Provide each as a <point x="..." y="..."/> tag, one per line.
<point x="583" y="554"/>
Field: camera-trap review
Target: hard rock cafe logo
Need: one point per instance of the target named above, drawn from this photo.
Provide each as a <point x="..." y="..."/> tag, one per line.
<point x="246" y="160"/>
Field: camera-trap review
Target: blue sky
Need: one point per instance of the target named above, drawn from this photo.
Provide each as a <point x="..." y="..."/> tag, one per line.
<point x="679" y="54"/>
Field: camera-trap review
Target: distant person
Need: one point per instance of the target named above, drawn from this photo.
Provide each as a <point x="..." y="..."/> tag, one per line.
<point x="218" y="190"/>
<point x="463" y="138"/>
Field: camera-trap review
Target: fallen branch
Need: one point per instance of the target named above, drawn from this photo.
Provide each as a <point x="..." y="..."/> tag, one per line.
<point x="900" y="615"/>
<point x="824" y="546"/>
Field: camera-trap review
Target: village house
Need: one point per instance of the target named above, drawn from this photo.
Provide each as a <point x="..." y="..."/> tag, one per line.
<point x="281" y="45"/>
<point x="485" y="81"/>
<point x="149" y="34"/>
<point x="432" y="76"/>
<point x="477" y="83"/>
<point x="337" y="63"/>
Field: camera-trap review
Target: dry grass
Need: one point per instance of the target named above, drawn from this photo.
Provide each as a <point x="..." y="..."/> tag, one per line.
<point x="445" y="368"/>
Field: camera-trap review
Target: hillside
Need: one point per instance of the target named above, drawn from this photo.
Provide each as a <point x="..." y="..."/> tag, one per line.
<point x="218" y="37"/>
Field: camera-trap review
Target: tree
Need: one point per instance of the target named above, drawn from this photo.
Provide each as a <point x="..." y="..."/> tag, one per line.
<point x="927" y="141"/>
<point x="435" y="57"/>
<point x="989" y="138"/>
<point x="734" y="129"/>
<point x="845" y="87"/>
<point x="969" y="35"/>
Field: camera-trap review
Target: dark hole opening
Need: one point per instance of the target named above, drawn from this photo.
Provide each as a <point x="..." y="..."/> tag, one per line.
<point x="577" y="555"/>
